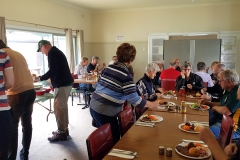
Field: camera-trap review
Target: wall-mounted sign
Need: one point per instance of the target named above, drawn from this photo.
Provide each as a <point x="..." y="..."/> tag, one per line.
<point x="119" y="38"/>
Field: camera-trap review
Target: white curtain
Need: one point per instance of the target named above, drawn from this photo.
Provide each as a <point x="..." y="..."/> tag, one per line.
<point x="69" y="49"/>
<point x="80" y="44"/>
<point x="3" y="30"/>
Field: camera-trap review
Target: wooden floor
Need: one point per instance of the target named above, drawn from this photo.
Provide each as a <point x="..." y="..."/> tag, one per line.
<point x="79" y="128"/>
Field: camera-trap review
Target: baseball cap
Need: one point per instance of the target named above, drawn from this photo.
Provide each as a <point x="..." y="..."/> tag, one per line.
<point x="42" y="42"/>
<point x="95" y="57"/>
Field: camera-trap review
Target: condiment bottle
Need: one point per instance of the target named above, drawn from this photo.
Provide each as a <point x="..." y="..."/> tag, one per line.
<point x="183" y="107"/>
<point x="161" y="150"/>
<point x="169" y="152"/>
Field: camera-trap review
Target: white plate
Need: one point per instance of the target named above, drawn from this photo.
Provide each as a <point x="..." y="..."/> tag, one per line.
<point x="158" y="117"/>
<point x="185" y="144"/>
<point x="180" y="127"/>
<point x="170" y="104"/>
<point x="202" y="108"/>
<point x="161" y="107"/>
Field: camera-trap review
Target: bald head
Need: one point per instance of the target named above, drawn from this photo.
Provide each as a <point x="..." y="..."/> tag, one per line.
<point x="217" y="68"/>
<point x="172" y="63"/>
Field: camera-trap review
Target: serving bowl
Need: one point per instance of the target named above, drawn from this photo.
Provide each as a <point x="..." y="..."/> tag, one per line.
<point x="47" y="90"/>
<point x="40" y="92"/>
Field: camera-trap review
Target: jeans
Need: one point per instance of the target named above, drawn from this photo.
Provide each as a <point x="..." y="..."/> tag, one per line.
<point x="6" y="128"/>
<point x="22" y="107"/>
<point x="101" y="119"/>
<point x="216" y="131"/>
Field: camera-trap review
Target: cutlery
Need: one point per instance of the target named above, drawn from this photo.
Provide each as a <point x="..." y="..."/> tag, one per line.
<point x="198" y="122"/>
<point x="200" y="107"/>
<point x="187" y="141"/>
<point x="146" y="125"/>
<point x="146" y="122"/>
<point x="125" y="153"/>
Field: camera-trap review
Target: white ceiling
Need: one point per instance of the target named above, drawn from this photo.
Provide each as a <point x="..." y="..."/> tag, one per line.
<point x="102" y="5"/>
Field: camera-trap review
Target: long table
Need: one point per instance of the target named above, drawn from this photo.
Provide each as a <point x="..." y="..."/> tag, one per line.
<point x="146" y="140"/>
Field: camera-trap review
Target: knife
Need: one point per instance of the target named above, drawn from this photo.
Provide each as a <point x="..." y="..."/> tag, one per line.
<point x="187" y="140"/>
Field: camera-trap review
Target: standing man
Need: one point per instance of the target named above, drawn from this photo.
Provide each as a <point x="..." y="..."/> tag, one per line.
<point x="20" y="98"/>
<point x="6" y="121"/>
<point x="62" y="82"/>
<point x="93" y="66"/>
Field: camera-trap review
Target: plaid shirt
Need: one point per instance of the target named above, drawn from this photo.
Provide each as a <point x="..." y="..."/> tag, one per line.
<point x="80" y="70"/>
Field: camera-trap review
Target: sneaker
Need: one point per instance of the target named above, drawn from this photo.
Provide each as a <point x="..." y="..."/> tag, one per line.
<point x="56" y="132"/>
<point x="58" y="137"/>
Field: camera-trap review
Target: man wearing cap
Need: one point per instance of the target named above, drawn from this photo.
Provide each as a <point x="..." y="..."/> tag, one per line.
<point x="62" y="82"/>
<point x="20" y="98"/>
<point x="93" y="66"/>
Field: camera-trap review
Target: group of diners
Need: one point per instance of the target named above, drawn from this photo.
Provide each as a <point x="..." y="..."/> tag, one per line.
<point x="115" y="86"/>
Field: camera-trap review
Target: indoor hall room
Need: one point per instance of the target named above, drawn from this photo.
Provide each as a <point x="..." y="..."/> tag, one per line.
<point x="158" y="30"/>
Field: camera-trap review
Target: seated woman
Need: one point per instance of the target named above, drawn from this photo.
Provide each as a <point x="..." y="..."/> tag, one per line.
<point x="145" y="87"/>
<point x="190" y="81"/>
<point x="114" y="87"/>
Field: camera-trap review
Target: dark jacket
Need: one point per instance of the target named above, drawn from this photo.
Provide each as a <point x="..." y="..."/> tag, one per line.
<point x="216" y="91"/>
<point x="195" y="80"/>
<point x="145" y="88"/>
<point x="58" y="72"/>
<point x="156" y="81"/>
<point x="178" y="68"/>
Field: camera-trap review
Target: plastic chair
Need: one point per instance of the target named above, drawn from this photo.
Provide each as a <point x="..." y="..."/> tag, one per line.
<point x="99" y="142"/>
<point x="76" y="86"/>
<point x="226" y="131"/>
<point x="125" y="119"/>
<point x="205" y="84"/>
<point x="168" y="84"/>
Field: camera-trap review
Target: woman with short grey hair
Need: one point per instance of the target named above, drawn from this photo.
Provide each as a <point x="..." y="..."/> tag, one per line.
<point x="145" y="87"/>
<point x="191" y="81"/>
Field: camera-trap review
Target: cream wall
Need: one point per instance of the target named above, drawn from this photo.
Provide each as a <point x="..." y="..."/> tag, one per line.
<point x="135" y="26"/>
<point x="48" y="13"/>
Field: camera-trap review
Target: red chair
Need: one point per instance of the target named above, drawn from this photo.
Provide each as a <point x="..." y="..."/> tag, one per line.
<point x="99" y="142"/>
<point x="125" y="119"/>
<point x="205" y="84"/>
<point x="226" y="131"/>
<point x="168" y="84"/>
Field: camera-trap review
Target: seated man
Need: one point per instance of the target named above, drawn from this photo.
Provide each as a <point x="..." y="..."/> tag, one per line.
<point x="114" y="59"/>
<point x="216" y="91"/>
<point x="177" y="65"/>
<point x="81" y="70"/>
<point x="205" y="76"/>
<point x="191" y="81"/>
<point x="231" y="151"/>
<point x="228" y="103"/>
<point x="170" y="73"/>
<point x="145" y="86"/>
<point x="94" y="66"/>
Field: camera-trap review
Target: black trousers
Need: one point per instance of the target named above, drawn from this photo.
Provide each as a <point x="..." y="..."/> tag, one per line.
<point x="22" y="107"/>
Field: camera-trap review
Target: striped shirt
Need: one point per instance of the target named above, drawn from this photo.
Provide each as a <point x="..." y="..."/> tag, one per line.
<point x="115" y="86"/>
<point x="4" y="65"/>
<point x="206" y="78"/>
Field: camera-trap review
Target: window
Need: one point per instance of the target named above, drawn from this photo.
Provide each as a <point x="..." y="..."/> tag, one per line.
<point x="26" y="43"/>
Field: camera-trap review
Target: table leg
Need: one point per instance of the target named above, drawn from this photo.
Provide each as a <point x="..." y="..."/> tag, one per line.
<point x="50" y="110"/>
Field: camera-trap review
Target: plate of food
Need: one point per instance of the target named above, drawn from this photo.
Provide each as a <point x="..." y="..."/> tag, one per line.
<point x="190" y="127"/>
<point x="199" y="107"/>
<point x="197" y="95"/>
<point x="193" y="150"/>
<point x="166" y="103"/>
<point x="151" y="118"/>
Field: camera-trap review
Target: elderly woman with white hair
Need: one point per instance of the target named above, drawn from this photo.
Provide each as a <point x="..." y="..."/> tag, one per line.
<point x="145" y="87"/>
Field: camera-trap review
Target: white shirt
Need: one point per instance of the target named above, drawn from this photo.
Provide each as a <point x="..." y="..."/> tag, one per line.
<point x="206" y="78"/>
